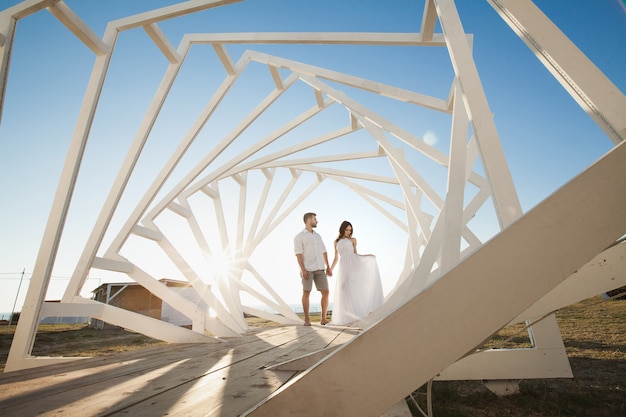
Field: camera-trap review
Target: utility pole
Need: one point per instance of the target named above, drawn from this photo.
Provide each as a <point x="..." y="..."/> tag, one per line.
<point x="16" y="296"/>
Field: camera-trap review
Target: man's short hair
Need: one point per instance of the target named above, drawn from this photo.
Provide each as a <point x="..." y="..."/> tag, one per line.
<point x="308" y="215"/>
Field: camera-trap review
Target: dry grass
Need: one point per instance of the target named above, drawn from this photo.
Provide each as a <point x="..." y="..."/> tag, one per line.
<point x="594" y="333"/>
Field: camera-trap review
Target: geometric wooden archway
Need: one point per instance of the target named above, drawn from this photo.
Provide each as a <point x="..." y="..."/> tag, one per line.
<point x="438" y="238"/>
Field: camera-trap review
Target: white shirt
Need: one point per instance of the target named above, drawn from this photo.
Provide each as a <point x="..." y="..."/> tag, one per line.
<point x="311" y="247"/>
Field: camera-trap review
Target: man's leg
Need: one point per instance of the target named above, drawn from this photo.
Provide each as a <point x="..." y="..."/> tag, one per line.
<point x="305" y="307"/>
<point x="324" y="303"/>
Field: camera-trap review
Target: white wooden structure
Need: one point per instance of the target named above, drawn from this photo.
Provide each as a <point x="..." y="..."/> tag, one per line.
<point x="456" y="294"/>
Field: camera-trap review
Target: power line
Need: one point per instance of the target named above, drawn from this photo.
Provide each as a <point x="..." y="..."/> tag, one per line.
<point x="27" y="275"/>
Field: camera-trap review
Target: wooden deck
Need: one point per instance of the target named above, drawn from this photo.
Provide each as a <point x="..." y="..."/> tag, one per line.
<point x="221" y="379"/>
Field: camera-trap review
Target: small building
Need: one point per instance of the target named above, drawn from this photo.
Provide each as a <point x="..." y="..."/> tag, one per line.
<point x="134" y="297"/>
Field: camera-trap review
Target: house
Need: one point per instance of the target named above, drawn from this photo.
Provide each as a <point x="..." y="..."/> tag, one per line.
<point x="134" y="297"/>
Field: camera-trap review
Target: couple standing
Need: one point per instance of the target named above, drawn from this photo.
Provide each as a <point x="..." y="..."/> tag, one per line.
<point x="358" y="290"/>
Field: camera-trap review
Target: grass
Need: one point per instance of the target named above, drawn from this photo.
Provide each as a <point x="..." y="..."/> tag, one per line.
<point x="593" y="331"/>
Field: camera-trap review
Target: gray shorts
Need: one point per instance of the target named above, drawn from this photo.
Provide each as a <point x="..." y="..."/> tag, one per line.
<point x="321" y="281"/>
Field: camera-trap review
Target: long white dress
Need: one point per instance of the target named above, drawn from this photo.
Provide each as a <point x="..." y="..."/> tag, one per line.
<point x="358" y="290"/>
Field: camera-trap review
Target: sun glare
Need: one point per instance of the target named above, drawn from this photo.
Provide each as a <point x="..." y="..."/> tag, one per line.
<point x="220" y="265"/>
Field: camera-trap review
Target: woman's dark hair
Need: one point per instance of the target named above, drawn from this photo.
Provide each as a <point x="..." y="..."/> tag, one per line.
<point x="342" y="229"/>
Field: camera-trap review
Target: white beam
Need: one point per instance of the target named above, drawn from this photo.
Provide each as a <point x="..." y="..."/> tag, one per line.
<point x="165" y="13"/>
<point x="176" y="156"/>
<point x="222" y="54"/>
<point x="245" y="122"/>
<point x="326" y="38"/>
<point x="27" y="8"/>
<point x="385" y="90"/>
<point x="119" y="185"/>
<point x="591" y="89"/>
<point x="71" y="21"/>
<point x="26" y="329"/>
<point x="605" y="272"/>
<point x="183" y="211"/>
<point x="452" y="212"/>
<point x="112" y="265"/>
<point x="506" y="202"/>
<point x="7" y="29"/>
<point x="148" y="233"/>
<point x="161" y="41"/>
<point x="429" y="20"/>
<point x="230" y="165"/>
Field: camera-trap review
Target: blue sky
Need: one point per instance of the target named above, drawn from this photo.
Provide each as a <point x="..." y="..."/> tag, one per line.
<point x="546" y="137"/>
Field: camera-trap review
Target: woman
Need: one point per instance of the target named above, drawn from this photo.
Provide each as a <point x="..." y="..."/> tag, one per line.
<point x="358" y="290"/>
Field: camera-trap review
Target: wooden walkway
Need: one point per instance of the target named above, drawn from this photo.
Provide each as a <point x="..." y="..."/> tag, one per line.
<point x="221" y="379"/>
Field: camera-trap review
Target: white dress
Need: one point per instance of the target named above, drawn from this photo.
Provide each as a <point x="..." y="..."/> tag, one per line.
<point x="358" y="290"/>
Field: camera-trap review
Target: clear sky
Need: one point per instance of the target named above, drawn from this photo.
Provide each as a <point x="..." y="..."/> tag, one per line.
<point x="546" y="136"/>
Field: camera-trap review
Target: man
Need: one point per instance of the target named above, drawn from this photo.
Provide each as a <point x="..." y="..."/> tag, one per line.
<point x="313" y="261"/>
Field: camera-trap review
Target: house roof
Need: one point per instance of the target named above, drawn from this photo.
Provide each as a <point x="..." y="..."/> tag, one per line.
<point x="168" y="282"/>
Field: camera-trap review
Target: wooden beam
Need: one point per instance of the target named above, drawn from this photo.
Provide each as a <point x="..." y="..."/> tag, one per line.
<point x="429" y="20"/>
<point x="222" y="54"/>
<point x="148" y="233"/>
<point x="112" y="265"/>
<point x="7" y="29"/>
<point x="161" y="41"/>
<point x="180" y="210"/>
<point x="603" y="273"/>
<point x="27" y="7"/>
<point x="71" y="21"/>
<point x="506" y="202"/>
<point x="165" y="13"/>
<point x="591" y="89"/>
<point x="315" y="38"/>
